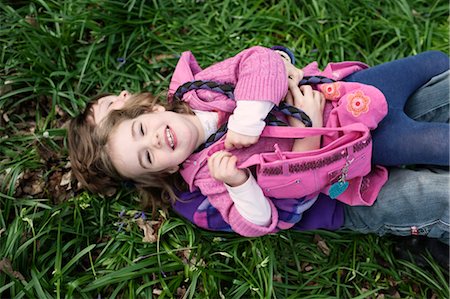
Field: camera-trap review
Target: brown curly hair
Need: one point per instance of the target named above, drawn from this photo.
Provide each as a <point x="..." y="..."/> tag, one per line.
<point x="81" y="144"/>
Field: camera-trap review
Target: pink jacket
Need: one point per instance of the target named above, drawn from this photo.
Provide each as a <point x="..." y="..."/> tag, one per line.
<point x="259" y="74"/>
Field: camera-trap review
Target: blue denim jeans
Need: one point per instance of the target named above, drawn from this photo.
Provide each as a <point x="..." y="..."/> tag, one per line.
<point x="412" y="202"/>
<point x="399" y="139"/>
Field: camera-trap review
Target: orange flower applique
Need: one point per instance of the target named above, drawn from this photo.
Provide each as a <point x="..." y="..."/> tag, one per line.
<point x="331" y="90"/>
<point x="358" y="103"/>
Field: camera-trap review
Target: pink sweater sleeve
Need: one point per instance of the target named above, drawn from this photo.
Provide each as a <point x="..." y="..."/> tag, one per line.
<point x="262" y="76"/>
<point x="257" y="73"/>
<point x="218" y="197"/>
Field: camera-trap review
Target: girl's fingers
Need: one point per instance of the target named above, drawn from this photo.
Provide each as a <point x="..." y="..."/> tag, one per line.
<point x="307" y="90"/>
<point x="289" y="100"/>
<point x="218" y="163"/>
<point x="319" y="97"/>
<point x="231" y="165"/>
<point x="297" y="96"/>
<point x="215" y="160"/>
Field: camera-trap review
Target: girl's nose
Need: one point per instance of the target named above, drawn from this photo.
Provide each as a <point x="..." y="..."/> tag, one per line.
<point x="124" y="95"/>
<point x="157" y="140"/>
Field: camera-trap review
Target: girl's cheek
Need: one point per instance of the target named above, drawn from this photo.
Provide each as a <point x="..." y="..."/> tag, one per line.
<point x="118" y="104"/>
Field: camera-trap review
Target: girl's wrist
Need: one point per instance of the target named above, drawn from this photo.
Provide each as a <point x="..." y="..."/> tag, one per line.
<point x="239" y="179"/>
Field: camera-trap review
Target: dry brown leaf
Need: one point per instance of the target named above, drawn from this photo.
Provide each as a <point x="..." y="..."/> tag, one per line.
<point x="5" y="115"/>
<point x="150" y="236"/>
<point x="416" y="288"/>
<point x="322" y="245"/>
<point x="306" y="267"/>
<point x="4" y="89"/>
<point x="181" y="292"/>
<point x="59" y="111"/>
<point x="185" y="256"/>
<point x="277" y="278"/>
<point x="392" y="281"/>
<point x="66" y="179"/>
<point x="34" y="186"/>
<point x="32" y="21"/>
<point x="6" y="267"/>
<point x="190" y="259"/>
<point x="160" y="57"/>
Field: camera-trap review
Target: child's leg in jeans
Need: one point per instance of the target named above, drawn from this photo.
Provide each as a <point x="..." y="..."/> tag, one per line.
<point x="399" y="139"/>
<point x="432" y="101"/>
<point x="412" y="202"/>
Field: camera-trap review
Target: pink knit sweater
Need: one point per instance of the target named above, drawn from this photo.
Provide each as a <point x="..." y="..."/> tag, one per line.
<point x="258" y="74"/>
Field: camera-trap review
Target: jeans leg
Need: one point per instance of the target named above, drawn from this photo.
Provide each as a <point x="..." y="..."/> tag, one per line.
<point x="412" y="202"/>
<point x="431" y="102"/>
<point x="398" y="138"/>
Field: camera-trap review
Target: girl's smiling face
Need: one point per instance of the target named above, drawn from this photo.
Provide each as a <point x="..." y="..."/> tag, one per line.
<point x="153" y="142"/>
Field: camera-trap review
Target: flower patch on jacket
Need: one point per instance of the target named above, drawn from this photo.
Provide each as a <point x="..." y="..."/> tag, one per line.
<point x="358" y="103"/>
<point x="331" y="90"/>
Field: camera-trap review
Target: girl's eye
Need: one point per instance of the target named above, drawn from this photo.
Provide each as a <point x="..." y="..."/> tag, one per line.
<point x="149" y="158"/>
<point x="141" y="129"/>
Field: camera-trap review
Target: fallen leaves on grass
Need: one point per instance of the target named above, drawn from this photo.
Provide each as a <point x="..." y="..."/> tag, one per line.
<point x="277" y="278"/>
<point x="150" y="234"/>
<point x="34" y="183"/>
<point x="6" y="267"/>
<point x="181" y="292"/>
<point x="66" y="180"/>
<point x="190" y="259"/>
<point x="306" y="267"/>
<point x="5" y="115"/>
<point x="30" y="183"/>
<point x="323" y="247"/>
<point x="159" y="57"/>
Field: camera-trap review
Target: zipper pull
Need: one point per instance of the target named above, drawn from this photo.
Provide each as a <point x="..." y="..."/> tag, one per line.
<point x="279" y="152"/>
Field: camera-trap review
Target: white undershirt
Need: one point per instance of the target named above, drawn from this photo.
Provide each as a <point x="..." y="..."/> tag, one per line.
<point x="209" y="121"/>
<point x="248" y="117"/>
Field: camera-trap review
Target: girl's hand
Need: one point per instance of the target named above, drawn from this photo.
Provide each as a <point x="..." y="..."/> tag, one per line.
<point x="236" y="140"/>
<point x="312" y="102"/>
<point x="222" y="167"/>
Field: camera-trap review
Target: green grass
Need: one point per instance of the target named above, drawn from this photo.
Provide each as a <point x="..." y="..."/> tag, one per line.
<point x="62" y="242"/>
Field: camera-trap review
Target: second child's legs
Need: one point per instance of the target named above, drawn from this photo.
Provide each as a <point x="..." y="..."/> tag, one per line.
<point x="412" y="202"/>
<point x="399" y="139"/>
<point x="432" y="101"/>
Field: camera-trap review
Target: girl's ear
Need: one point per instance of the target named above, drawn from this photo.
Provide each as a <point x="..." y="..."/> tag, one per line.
<point x="173" y="169"/>
<point x="158" y="108"/>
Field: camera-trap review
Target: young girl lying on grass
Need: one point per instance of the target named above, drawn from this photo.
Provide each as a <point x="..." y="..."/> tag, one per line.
<point x="148" y="141"/>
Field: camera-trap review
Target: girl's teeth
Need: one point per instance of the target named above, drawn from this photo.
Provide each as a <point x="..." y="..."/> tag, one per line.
<point x="169" y="137"/>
